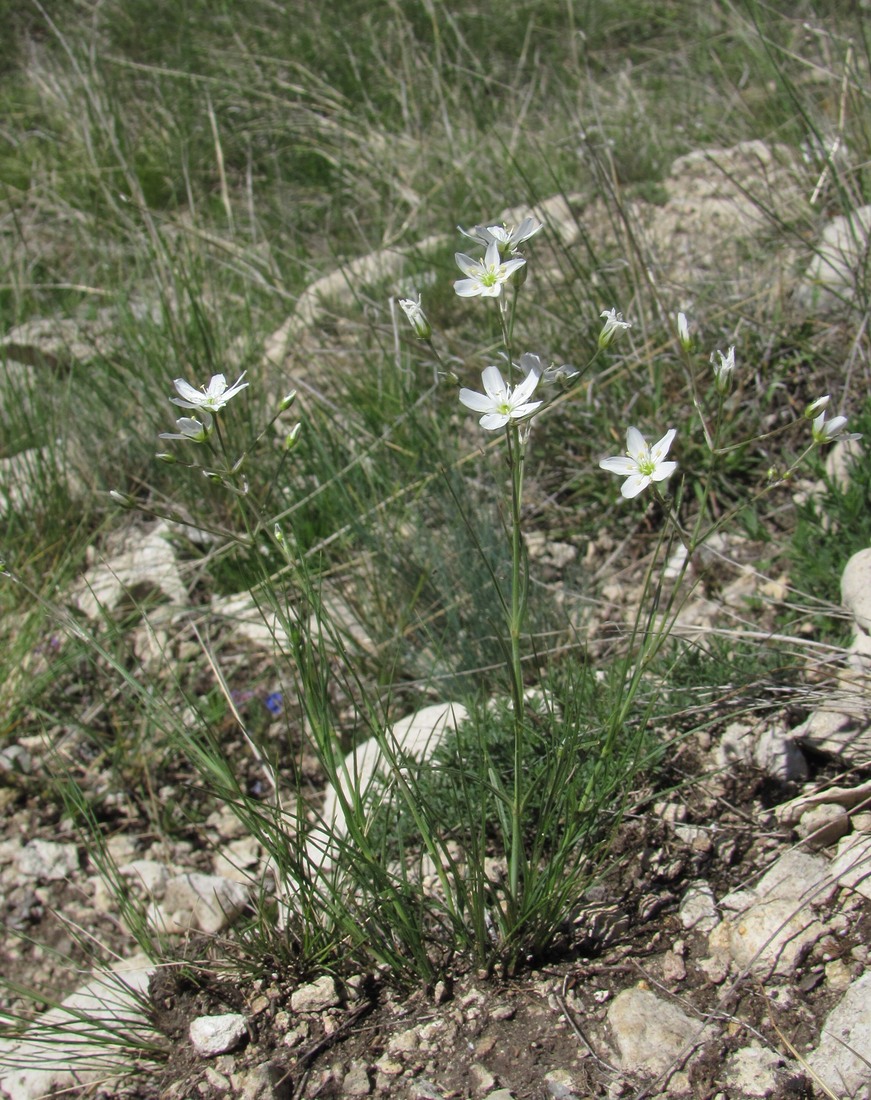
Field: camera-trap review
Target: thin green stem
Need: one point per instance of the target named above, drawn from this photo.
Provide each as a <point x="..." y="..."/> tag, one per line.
<point x="516" y="869"/>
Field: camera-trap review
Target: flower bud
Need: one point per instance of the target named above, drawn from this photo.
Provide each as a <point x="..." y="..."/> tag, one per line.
<point x="816" y="407"/>
<point x="683" y="332"/>
<point x="416" y="317"/>
<point x="287" y="401"/>
<point x="166" y="457"/>
<point x="123" y="500"/>
<point x="614" y="324"/>
<point x="724" y="369"/>
<point x="292" y="437"/>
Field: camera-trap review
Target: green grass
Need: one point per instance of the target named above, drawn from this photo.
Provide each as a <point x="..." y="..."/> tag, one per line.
<point x="171" y="184"/>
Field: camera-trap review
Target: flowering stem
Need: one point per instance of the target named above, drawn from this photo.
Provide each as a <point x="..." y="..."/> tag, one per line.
<point x="516" y="867"/>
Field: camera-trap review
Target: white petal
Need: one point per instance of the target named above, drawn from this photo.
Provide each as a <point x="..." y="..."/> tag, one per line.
<point x="524" y="389"/>
<point x="633" y="485"/>
<point x="510" y="266"/>
<point x="636" y="444"/>
<point x="663" y="470"/>
<point x="620" y="464"/>
<point x="475" y="401"/>
<point x="660" y="450"/>
<point x="467" y="288"/>
<point x="519" y="411"/>
<point x="466" y="264"/>
<point x="491" y="256"/>
<point x="493" y="420"/>
<point x="187" y="391"/>
<point x="217" y="385"/>
<point x="494" y="384"/>
<point x="835" y="425"/>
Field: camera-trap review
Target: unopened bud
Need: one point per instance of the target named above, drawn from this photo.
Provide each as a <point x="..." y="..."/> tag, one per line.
<point x="123" y="500"/>
<point x="683" y="332"/>
<point x="724" y="368"/>
<point x="816" y="407"/>
<point x="166" y="457"/>
<point x="614" y="324"/>
<point x="292" y="437"/>
<point x="287" y="401"/>
<point x="416" y="317"/>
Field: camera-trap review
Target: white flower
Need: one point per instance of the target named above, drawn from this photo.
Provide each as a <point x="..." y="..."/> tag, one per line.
<point x="191" y="429"/>
<point x="499" y="403"/>
<point x="828" y="432"/>
<point x="614" y="323"/>
<point x="641" y="464"/>
<point x="416" y="317"/>
<point x="507" y="238"/>
<point x="214" y="397"/>
<point x="724" y="369"/>
<point x="485" y="277"/>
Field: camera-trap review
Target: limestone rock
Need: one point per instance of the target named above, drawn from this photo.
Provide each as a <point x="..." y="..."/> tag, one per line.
<point x="213" y="1035"/>
<point x="317" y="996"/>
<point x="773" y="936"/>
<point x="839" y="264"/>
<point x="843" y="1058"/>
<point x="137" y="561"/>
<point x="852" y="863"/>
<point x="208" y="903"/>
<point x="823" y="825"/>
<point x="415" y="737"/>
<point x="651" y="1033"/>
<point x="856" y="586"/>
<point x="47" y="860"/>
<point x="83" y="1039"/>
<point x="841" y="728"/>
<point x="754" y="1071"/>
<point x="698" y="908"/>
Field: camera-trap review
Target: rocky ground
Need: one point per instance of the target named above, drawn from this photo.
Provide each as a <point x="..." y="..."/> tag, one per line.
<point x="726" y="957"/>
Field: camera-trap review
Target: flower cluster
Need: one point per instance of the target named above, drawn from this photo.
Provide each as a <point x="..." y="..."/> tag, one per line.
<point x="486" y="277"/>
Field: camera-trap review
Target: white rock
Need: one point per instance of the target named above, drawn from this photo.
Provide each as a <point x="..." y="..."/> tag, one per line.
<point x="769" y="747"/>
<point x="772" y="936"/>
<point x="316" y="997"/>
<point x="856" y="585"/>
<point x="212" y="1035"/>
<point x="823" y="825"/>
<point x="47" y="860"/>
<point x="797" y="875"/>
<point x="843" y="1058"/>
<point x="852" y="863"/>
<point x="837" y="263"/>
<point x="753" y="1071"/>
<point x="698" y="909"/>
<point x="208" y="903"/>
<point x="841" y="728"/>
<point x="415" y="737"/>
<point x="139" y="558"/>
<point x="357" y="1081"/>
<point x="81" y="1041"/>
<point x="650" y="1033"/>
